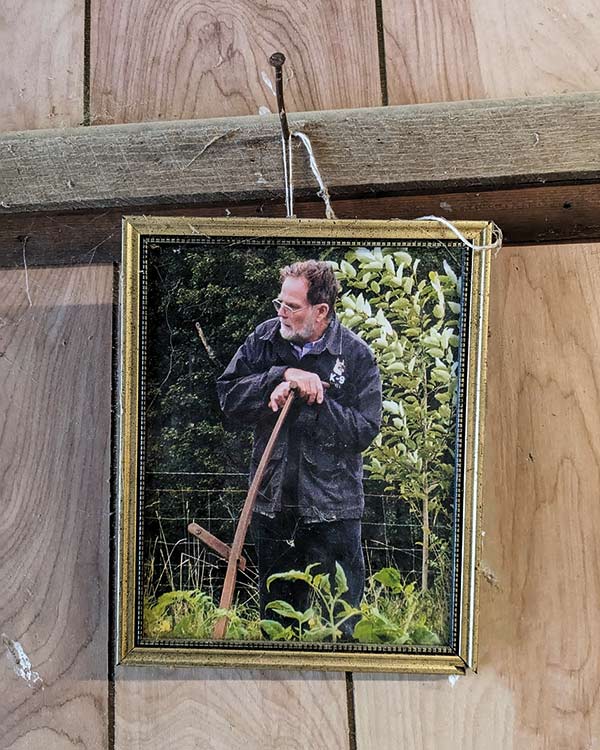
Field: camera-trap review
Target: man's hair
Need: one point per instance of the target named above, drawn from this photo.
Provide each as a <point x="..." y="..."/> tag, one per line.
<point x="321" y="281"/>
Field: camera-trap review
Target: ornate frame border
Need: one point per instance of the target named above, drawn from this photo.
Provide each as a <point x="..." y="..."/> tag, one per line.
<point x="379" y="658"/>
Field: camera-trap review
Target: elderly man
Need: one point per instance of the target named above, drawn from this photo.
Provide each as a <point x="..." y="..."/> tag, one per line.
<point x="311" y="501"/>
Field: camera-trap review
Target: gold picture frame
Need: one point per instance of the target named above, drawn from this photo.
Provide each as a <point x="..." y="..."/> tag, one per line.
<point x="152" y="248"/>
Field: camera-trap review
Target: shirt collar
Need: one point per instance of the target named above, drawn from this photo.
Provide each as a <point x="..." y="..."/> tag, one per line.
<point x="306" y="348"/>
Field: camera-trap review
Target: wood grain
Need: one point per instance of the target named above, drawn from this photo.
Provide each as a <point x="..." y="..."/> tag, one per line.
<point x="391" y="150"/>
<point x="181" y="60"/>
<point x="55" y="379"/>
<point x="481" y="49"/>
<point x="539" y="680"/>
<point x="525" y="215"/>
<point x="41" y="64"/>
<point x="216" y="709"/>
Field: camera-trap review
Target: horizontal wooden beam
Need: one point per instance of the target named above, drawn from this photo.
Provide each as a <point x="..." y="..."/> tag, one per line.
<point x="548" y="214"/>
<point x="429" y="148"/>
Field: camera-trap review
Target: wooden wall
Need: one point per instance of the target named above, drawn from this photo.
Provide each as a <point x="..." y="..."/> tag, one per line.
<point x="75" y="62"/>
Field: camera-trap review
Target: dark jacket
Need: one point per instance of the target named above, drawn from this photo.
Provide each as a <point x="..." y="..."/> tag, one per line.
<point x="320" y="445"/>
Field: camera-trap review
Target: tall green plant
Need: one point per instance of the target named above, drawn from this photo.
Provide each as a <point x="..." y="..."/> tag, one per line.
<point x="410" y="319"/>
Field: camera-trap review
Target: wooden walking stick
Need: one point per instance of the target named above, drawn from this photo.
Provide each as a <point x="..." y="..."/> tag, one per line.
<point x="220" y="628"/>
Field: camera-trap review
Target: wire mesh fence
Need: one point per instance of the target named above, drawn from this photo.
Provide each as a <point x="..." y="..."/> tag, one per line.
<point x="176" y="560"/>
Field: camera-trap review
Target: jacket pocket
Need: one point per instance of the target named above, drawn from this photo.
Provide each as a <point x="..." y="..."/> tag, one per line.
<point x="322" y="459"/>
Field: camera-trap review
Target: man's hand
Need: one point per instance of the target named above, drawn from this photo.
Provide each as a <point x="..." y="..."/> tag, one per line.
<point x="309" y="385"/>
<point x="279" y="396"/>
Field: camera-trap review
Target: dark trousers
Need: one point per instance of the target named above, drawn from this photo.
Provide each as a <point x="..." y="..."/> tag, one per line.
<point x="287" y="542"/>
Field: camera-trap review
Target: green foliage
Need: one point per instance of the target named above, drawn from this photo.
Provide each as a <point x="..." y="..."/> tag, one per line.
<point x="324" y="618"/>
<point x="227" y="291"/>
<point x="393" y="611"/>
<point x="193" y="614"/>
<point x="410" y="319"/>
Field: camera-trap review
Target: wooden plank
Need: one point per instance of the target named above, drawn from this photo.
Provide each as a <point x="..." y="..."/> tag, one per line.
<point x="41" y="80"/>
<point x="479" y="49"/>
<point x="215" y="709"/>
<point x="525" y="215"/>
<point x="394" y="150"/>
<point x="539" y="680"/>
<point x="153" y="61"/>
<point x="55" y="382"/>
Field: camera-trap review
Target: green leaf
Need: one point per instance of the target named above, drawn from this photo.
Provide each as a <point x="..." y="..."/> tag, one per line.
<point x="422" y="636"/>
<point x="347" y="269"/>
<point x="376" y="628"/>
<point x="440" y="374"/>
<point x="396" y="367"/>
<point x="285" y="610"/>
<point x="322" y="583"/>
<point x="320" y="633"/>
<point x="403" y="257"/>
<point x="391" y="407"/>
<point x="390" y="578"/>
<point x="290" y="575"/>
<point x="348" y="609"/>
<point x="364" y="631"/>
<point x="275" y="631"/>
<point x="449" y="272"/>
<point x="341" y="582"/>
<point x="364" y="255"/>
<point x="354" y="321"/>
<point x="435" y="352"/>
<point x="435" y="280"/>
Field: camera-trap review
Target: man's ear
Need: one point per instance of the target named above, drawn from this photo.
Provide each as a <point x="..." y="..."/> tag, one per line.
<point x="322" y="311"/>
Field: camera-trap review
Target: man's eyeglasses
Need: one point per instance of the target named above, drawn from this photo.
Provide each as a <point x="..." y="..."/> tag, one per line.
<point x="279" y="305"/>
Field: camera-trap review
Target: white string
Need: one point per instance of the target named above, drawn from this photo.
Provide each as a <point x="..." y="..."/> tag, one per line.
<point x="286" y="179"/>
<point x="290" y="186"/>
<point x="329" y="212"/>
<point x="496" y="231"/>
<point x="323" y="192"/>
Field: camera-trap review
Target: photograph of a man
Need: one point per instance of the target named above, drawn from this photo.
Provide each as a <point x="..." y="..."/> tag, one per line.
<point x="311" y="502"/>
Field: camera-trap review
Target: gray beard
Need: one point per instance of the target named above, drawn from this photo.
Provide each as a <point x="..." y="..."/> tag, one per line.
<point x="300" y="337"/>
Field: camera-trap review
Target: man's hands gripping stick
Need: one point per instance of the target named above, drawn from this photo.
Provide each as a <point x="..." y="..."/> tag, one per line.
<point x="308" y="385"/>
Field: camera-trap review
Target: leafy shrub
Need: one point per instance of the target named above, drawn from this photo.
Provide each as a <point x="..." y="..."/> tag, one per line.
<point x="411" y="323"/>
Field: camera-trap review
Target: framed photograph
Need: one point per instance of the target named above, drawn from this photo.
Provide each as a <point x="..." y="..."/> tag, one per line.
<point x="300" y="441"/>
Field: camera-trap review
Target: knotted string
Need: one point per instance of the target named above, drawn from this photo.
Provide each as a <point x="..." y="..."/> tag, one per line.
<point x="288" y="174"/>
<point x="329" y="212"/>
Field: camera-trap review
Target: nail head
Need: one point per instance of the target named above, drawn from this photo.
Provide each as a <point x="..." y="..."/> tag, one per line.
<point x="277" y="59"/>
